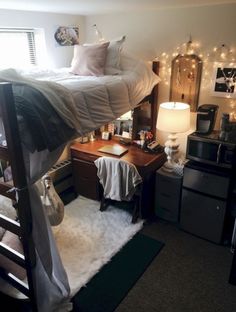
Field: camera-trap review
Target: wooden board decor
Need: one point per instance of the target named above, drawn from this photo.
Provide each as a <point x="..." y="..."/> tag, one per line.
<point x="185" y="80"/>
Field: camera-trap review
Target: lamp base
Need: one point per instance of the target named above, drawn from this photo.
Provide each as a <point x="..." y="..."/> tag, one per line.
<point x="168" y="167"/>
<point x="171" y="149"/>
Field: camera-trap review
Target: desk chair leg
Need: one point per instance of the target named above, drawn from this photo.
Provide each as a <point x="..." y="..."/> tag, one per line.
<point x="136" y="211"/>
<point x="104" y="203"/>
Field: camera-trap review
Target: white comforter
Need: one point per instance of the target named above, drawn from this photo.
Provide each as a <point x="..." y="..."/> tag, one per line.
<point x="99" y="100"/>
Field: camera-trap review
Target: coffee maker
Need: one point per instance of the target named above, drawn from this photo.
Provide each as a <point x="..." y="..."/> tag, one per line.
<point x="206" y="117"/>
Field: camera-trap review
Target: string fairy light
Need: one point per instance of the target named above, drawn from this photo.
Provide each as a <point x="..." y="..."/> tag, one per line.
<point x="211" y="59"/>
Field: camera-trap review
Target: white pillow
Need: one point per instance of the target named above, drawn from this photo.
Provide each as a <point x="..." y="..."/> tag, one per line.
<point x="89" y="60"/>
<point x="112" y="65"/>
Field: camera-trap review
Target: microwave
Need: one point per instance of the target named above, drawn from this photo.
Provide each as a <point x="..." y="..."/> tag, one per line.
<point x="209" y="149"/>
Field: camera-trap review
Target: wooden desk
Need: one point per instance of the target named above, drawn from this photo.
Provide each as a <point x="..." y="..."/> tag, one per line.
<point x="85" y="172"/>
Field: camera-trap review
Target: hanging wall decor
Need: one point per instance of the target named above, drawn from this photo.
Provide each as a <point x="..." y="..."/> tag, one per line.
<point x="186" y="72"/>
<point x="224" y="81"/>
<point x="67" y="35"/>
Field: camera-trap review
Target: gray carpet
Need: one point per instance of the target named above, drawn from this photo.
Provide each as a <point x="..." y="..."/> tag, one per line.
<point x="189" y="275"/>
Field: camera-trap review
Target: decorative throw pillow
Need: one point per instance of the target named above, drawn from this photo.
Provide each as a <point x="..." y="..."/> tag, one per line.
<point x="89" y="60"/>
<point x="12" y="241"/>
<point x="112" y="65"/>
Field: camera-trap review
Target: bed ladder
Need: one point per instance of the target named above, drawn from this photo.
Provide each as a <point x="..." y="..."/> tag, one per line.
<point x="14" y="154"/>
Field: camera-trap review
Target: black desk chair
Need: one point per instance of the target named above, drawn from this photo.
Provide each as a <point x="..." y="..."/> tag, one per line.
<point x="121" y="182"/>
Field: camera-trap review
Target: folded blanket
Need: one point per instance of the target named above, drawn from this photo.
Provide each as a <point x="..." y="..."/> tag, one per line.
<point x="48" y="130"/>
<point x="59" y="97"/>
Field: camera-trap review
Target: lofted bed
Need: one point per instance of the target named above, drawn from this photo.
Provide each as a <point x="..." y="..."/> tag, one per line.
<point x="31" y="152"/>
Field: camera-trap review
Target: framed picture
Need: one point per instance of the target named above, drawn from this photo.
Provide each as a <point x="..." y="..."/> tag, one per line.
<point x="123" y="127"/>
<point x="84" y="139"/>
<point x="106" y="135"/>
<point x="224" y="81"/>
<point x="67" y="35"/>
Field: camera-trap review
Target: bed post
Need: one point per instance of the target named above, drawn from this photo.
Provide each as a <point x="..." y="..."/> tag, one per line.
<point x="154" y="97"/>
<point x="15" y="156"/>
<point x="152" y="100"/>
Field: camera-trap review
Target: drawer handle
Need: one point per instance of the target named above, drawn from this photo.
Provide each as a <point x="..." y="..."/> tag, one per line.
<point x="217" y="207"/>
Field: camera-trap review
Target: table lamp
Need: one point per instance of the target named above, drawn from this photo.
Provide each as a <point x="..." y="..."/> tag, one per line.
<point x="173" y="117"/>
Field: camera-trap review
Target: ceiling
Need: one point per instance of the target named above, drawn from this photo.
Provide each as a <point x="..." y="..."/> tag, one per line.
<point x="89" y="7"/>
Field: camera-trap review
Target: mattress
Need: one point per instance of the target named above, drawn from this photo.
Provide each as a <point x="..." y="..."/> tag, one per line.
<point x="54" y="102"/>
<point x="99" y="100"/>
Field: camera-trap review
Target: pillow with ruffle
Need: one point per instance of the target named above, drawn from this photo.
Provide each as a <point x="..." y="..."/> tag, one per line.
<point x="112" y="65"/>
<point x="89" y="60"/>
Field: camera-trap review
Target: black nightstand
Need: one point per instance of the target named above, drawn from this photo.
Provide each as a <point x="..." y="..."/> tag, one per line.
<point x="168" y="195"/>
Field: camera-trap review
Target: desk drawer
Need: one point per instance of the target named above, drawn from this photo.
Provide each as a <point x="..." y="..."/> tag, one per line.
<point x="83" y="156"/>
<point x="85" y="179"/>
<point x="169" y="187"/>
<point x="167" y="207"/>
<point x="167" y="195"/>
<point x="206" y="182"/>
<point x="84" y="169"/>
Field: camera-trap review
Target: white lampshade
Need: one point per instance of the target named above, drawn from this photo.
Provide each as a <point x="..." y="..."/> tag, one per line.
<point x="173" y="117"/>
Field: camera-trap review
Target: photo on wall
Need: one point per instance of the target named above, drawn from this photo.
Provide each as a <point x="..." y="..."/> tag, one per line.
<point x="67" y="35"/>
<point x="224" y="82"/>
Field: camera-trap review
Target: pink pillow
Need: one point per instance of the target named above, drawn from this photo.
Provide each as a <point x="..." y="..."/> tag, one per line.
<point x="13" y="241"/>
<point x="89" y="60"/>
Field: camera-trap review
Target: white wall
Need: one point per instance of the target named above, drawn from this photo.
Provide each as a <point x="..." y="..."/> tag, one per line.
<point x="58" y="56"/>
<point x="150" y="33"/>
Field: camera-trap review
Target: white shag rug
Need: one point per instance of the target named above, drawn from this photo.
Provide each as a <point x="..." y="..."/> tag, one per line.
<point x="88" y="238"/>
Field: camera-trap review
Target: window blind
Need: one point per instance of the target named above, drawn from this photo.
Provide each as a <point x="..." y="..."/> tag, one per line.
<point x="17" y="47"/>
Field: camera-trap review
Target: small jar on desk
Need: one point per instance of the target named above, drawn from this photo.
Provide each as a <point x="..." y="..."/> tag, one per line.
<point x="168" y="195"/>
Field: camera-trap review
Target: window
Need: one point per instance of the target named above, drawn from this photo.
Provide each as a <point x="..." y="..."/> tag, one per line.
<point x="17" y="47"/>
